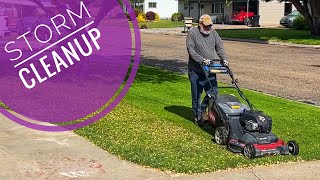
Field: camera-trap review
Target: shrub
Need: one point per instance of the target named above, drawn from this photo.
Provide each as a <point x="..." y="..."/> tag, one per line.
<point x="141" y="17"/>
<point x="157" y="17"/>
<point x="137" y="12"/>
<point x="143" y="26"/>
<point x="151" y="16"/>
<point x="128" y="17"/>
<point x="300" y="24"/>
<point x="177" y="17"/>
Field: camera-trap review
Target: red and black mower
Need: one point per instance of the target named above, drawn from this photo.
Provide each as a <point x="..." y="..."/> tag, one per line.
<point x="240" y="126"/>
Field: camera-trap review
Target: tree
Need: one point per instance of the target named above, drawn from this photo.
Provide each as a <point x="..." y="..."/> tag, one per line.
<point x="101" y="8"/>
<point x="310" y="9"/>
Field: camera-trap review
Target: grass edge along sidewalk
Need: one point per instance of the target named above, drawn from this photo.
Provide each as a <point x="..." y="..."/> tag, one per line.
<point x="152" y="127"/>
<point x="272" y="34"/>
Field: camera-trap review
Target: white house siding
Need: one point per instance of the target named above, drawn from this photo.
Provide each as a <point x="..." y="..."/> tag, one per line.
<point x="165" y="8"/>
<point x="270" y="12"/>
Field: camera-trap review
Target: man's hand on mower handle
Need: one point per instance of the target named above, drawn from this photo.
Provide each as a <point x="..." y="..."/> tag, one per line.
<point x="206" y="62"/>
<point x="225" y="63"/>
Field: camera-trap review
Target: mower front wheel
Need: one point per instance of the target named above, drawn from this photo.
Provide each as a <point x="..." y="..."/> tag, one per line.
<point x="249" y="151"/>
<point x="221" y="135"/>
<point x="293" y="147"/>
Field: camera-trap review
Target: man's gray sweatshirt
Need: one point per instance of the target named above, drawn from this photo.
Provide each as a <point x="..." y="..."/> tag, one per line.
<point x="202" y="47"/>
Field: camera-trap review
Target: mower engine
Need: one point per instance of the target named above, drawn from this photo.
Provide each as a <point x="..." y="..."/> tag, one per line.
<point x="255" y="121"/>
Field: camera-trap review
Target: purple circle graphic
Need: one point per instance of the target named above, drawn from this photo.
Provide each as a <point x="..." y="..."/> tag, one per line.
<point x="67" y="61"/>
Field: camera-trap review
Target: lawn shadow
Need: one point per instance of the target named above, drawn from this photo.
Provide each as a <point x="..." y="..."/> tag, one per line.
<point x="186" y="113"/>
<point x="177" y="65"/>
<point x="156" y="74"/>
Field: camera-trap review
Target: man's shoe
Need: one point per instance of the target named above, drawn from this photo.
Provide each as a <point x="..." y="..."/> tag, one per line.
<point x="199" y="122"/>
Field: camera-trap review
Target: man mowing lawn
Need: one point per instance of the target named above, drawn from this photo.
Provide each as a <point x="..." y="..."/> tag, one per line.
<point x="202" y="42"/>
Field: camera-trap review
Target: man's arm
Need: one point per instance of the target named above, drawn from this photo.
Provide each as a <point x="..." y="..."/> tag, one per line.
<point x="219" y="47"/>
<point x="191" y="48"/>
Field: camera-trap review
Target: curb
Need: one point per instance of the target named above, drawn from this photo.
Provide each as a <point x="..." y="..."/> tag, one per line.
<point x="245" y="40"/>
<point x="294" y="45"/>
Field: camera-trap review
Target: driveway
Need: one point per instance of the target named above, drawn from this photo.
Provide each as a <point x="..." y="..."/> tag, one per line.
<point x="289" y="72"/>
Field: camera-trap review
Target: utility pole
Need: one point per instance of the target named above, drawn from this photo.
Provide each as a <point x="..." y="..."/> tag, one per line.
<point x="248" y="3"/>
<point x="223" y="12"/>
<point x="199" y="9"/>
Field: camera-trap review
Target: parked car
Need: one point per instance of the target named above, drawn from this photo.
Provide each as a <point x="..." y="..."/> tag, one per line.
<point x="240" y="15"/>
<point x="287" y="21"/>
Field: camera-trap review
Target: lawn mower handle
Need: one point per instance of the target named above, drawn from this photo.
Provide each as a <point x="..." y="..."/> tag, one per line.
<point x="218" y="68"/>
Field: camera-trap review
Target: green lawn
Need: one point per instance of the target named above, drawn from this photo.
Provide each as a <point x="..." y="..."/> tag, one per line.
<point x="3" y="105"/>
<point x="161" y="24"/>
<point x="278" y="35"/>
<point x="152" y="127"/>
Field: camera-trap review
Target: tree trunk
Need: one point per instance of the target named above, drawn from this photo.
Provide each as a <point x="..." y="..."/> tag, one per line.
<point x="315" y="8"/>
<point x="315" y="26"/>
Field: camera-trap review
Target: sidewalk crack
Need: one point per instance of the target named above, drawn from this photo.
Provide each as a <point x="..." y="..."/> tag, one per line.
<point x="255" y="174"/>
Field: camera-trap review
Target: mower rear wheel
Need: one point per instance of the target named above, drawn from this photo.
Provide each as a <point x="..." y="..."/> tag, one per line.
<point x="249" y="151"/>
<point x="293" y="147"/>
<point x="221" y="135"/>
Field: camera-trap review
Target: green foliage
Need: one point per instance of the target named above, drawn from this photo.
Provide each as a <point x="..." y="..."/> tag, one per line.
<point x="300" y="23"/>
<point x="157" y="17"/>
<point x="177" y="17"/>
<point x="143" y="26"/>
<point x="141" y="17"/>
<point x="137" y="11"/>
<point x="3" y="106"/>
<point x="152" y="126"/>
<point x="128" y="16"/>
<point x="161" y="24"/>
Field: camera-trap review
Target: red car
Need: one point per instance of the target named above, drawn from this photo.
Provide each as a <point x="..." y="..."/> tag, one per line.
<point x="241" y="16"/>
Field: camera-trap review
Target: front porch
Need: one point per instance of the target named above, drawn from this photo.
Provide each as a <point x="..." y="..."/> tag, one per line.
<point x="220" y="10"/>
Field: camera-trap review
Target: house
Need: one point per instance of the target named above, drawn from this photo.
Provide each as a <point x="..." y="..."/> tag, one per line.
<point x="165" y="8"/>
<point x="221" y="10"/>
<point x="270" y="12"/>
<point x="16" y="9"/>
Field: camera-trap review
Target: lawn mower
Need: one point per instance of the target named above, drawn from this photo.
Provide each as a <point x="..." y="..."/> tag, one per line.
<point x="241" y="126"/>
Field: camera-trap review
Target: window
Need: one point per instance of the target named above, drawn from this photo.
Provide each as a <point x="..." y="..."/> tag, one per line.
<point x="185" y="6"/>
<point x="191" y="6"/>
<point x="217" y="8"/>
<point x="152" y="5"/>
<point x="287" y="8"/>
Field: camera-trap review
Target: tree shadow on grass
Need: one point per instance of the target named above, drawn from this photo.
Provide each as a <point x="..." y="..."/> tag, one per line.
<point x="157" y="75"/>
<point x="176" y="65"/>
<point x="186" y="113"/>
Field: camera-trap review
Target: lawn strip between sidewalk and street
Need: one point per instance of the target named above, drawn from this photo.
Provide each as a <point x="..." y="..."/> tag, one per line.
<point x="272" y="34"/>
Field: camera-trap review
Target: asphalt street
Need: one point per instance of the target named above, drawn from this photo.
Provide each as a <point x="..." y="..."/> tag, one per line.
<point x="284" y="71"/>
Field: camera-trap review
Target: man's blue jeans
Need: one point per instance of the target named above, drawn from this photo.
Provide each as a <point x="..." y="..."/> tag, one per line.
<point x="198" y="84"/>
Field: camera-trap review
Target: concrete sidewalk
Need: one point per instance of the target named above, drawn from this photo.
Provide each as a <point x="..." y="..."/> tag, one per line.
<point x="29" y="154"/>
